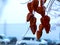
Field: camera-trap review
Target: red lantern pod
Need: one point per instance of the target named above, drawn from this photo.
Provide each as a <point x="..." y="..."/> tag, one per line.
<point x="42" y="2"/>
<point x="47" y="28"/>
<point x="30" y="7"/>
<point x="38" y="34"/>
<point x="41" y="27"/>
<point x="29" y="15"/>
<point x="35" y="4"/>
<point x="33" y="28"/>
<point x="41" y="11"/>
<point x="45" y="20"/>
<point x="33" y="21"/>
<point x="33" y="24"/>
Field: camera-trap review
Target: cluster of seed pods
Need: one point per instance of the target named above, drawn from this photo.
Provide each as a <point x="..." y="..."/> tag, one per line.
<point x="32" y="19"/>
<point x="33" y="6"/>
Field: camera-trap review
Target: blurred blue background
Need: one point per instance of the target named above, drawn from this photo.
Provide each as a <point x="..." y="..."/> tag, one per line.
<point x="13" y="19"/>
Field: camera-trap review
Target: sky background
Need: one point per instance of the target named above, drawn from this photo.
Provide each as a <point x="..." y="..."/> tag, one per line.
<point x="14" y="14"/>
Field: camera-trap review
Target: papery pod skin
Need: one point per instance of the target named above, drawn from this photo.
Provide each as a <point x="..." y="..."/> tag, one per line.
<point x="41" y="27"/>
<point x="42" y="2"/>
<point x="47" y="28"/>
<point x="35" y="4"/>
<point x="38" y="34"/>
<point x="33" y="25"/>
<point x="41" y="11"/>
<point x="30" y="7"/>
<point x="33" y="28"/>
<point x="45" y="20"/>
<point x="32" y="21"/>
<point x="29" y="15"/>
<point x="45" y="1"/>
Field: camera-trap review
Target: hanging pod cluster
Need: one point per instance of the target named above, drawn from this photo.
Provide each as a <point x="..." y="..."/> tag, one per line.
<point x="32" y="19"/>
<point x="33" y="6"/>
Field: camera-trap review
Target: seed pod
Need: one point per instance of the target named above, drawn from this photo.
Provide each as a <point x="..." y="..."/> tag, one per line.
<point x="41" y="27"/>
<point x="38" y="34"/>
<point x="47" y="28"/>
<point x="29" y="15"/>
<point x="33" y="28"/>
<point x="35" y="4"/>
<point x="33" y="20"/>
<point x="33" y="24"/>
<point x="30" y="8"/>
<point x="45" y="20"/>
<point x="42" y="2"/>
<point x="41" y="11"/>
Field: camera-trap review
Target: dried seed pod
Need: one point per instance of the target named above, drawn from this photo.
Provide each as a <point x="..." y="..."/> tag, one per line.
<point x="41" y="11"/>
<point x="29" y="15"/>
<point x="33" y="24"/>
<point x="42" y="2"/>
<point x="38" y="34"/>
<point x="30" y="7"/>
<point x="35" y="4"/>
<point x="47" y="28"/>
<point x="41" y="27"/>
<point x="32" y="20"/>
<point x="33" y="28"/>
<point x="45" y="20"/>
